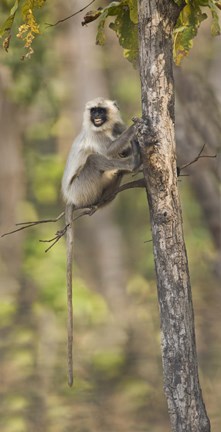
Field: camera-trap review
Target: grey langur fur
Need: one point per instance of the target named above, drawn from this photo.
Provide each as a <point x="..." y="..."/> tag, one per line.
<point x="99" y="156"/>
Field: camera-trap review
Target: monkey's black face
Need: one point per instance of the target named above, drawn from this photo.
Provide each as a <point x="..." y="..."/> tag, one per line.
<point x="98" y="116"/>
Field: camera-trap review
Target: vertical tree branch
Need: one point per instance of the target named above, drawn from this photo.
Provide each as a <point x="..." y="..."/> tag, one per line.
<point x="181" y="383"/>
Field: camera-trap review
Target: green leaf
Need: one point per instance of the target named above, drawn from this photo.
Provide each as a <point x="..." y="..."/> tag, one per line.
<point x="124" y="26"/>
<point x="215" y="26"/>
<point x="186" y="29"/>
<point x="7" y="25"/>
<point x="100" y="38"/>
<point x="133" y="11"/>
<point x="178" y="2"/>
<point x="127" y="34"/>
<point x="203" y="2"/>
<point x="188" y="23"/>
<point x="111" y="10"/>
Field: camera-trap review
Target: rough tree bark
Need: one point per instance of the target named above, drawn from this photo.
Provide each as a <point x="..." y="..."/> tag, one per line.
<point x="181" y="383"/>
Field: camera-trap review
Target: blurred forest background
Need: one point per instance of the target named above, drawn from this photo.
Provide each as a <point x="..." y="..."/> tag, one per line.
<point x="118" y="384"/>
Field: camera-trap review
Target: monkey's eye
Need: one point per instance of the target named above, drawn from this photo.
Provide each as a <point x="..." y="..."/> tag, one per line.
<point x="102" y="111"/>
<point x="98" y="110"/>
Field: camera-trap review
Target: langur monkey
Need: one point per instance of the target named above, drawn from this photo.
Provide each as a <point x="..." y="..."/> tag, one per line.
<point x="99" y="157"/>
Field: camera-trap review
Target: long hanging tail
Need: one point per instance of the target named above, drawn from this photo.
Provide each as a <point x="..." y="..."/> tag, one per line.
<point x="69" y="238"/>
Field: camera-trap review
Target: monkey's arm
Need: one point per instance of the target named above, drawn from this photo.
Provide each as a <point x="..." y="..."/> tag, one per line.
<point x="118" y="144"/>
<point x="99" y="163"/>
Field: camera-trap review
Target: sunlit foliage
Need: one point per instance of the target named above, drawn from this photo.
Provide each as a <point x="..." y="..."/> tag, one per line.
<point x="191" y="16"/>
<point x="124" y="22"/>
<point x="28" y="29"/>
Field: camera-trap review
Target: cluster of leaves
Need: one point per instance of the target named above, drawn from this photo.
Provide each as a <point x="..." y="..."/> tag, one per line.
<point x="29" y="28"/>
<point x="125" y="25"/>
<point x="189" y="21"/>
<point x="124" y="21"/>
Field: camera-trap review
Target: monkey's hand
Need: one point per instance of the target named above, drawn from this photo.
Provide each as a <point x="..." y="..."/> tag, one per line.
<point x="141" y="125"/>
<point x="144" y="132"/>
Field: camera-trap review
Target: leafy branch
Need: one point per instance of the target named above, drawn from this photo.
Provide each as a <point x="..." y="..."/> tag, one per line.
<point x="124" y="22"/>
<point x="125" y="25"/>
<point x="70" y="16"/>
<point x="188" y="23"/>
<point x="126" y="19"/>
<point x="29" y="28"/>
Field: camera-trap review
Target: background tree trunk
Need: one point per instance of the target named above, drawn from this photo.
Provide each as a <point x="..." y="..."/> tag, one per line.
<point x="11" y="176"/>
<point x="195" y="95"/>
<point x="181" y="383"/>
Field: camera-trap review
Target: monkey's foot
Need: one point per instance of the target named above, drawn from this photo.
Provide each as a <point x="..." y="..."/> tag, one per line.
<point x="88" y="211"/>
<point x="93" y="209"/>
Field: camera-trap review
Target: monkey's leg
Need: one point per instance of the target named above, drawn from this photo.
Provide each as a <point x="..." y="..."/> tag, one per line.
<point x="101" y="164"/>
<point x="107" y="199"/>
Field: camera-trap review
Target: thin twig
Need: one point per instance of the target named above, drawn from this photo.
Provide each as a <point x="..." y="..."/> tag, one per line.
<point x="42" y="220"/>
<point x="70" y="16"/>
<point x="87" y="211"/>
<point x="199" y="156"/>
<point x="91" y="210"/>
<point x="59" y="234"/>
<point x="32" y="223"/>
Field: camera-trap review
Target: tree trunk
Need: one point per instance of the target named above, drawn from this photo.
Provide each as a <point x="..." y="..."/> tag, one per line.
<point x="181" y="383"/>
<point x="11" y="180"/>
<point x="194" y="95"/>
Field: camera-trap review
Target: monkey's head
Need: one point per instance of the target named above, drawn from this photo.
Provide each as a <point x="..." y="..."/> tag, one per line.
<point x="101" y="114"/>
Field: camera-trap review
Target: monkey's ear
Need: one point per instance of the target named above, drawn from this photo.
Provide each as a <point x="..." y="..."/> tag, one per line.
<point x="116" y="104"/>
